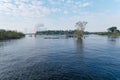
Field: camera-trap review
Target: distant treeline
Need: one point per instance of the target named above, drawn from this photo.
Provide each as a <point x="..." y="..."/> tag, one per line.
<point x="58" y="32"/>
<point x="72" y="32"/>
<point x="110" y="31"/>
<point x="4" y="35"/>
<point x="106" y="33"/>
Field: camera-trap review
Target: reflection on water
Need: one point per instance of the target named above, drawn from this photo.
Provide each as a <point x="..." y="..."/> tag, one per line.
<point x="93" y="58"/>
<point x="79" y="43"/>
<point x="113" y="39"/>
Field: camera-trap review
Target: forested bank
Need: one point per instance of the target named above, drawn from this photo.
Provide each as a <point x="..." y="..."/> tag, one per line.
<point x="5" y="35"/>
<point x="109" y="32"/>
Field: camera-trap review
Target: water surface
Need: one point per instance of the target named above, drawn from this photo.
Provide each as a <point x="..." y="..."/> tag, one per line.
<point x="41" y="58"/>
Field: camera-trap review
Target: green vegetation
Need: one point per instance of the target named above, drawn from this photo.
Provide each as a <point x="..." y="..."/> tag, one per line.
<point x="100" y="33"/>
<point x="53" y="32"/>
<point x="106" y="33"/>
<point x="80" y="29"/>
<point x="4" y="35"/>
<point x="58" y="32"/>
<point x="112" y="31"/>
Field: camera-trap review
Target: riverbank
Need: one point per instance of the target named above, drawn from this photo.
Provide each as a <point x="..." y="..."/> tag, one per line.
<point x="106" y="33"/>
<point x="72" y="32"/>
<point x="5" y="35"/>
<point x="58" y="32"/>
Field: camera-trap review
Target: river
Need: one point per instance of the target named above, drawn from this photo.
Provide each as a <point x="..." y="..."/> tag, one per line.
<point x="46" y="58"/>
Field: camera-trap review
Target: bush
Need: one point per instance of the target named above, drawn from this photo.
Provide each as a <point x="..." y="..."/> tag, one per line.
<point x="10" y="35"/>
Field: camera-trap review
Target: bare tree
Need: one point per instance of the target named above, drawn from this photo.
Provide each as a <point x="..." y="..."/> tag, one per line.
<point x="80" y="28"/>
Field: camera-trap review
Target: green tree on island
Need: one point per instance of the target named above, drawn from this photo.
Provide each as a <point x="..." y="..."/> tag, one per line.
<point x="113" y="29"/>
<point x="80" y="29"/>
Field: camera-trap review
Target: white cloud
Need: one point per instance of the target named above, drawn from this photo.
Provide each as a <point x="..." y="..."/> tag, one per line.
<point x="38" y="7"/>
<point x="7" y="0"/>
<point x="37" y="3"/>
<point x="65" y="12"/>
<point x="82" y="4"/>
<point x="85" y="4"/>
<point x="69" y="1"/>
<point x="25" y="8"/>
<point x="35" y="11"/>
<point x="117" y="0"/>
<point x="55" y="9"/>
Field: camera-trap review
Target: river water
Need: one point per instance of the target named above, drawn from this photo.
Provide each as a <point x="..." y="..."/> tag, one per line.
<point x="46" y="58"/>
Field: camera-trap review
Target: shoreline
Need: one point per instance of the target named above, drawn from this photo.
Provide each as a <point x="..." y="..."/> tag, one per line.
<point x="7" y="35"/>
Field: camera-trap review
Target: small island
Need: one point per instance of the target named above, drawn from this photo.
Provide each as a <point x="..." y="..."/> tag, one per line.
<point x="8" y="34"/>
<point x="111" y="31"/>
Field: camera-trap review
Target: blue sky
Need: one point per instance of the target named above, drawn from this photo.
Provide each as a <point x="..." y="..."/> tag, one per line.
<point x="24" y="15"/>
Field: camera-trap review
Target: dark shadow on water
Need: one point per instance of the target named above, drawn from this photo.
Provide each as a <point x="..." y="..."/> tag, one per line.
<point x="4" y="42"/>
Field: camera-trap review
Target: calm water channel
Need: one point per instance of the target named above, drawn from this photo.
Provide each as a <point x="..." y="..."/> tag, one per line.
<point x="40" y="58"/>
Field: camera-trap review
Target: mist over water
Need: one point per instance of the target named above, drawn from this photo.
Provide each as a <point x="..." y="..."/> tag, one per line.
<point x="36" y="58"/>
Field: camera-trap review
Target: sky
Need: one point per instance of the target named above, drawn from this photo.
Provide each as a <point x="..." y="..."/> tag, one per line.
<point x="32" y="15"/>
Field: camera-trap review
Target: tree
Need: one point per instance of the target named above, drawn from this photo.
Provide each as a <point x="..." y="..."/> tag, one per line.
<point x="10" y="35"/>
<point x="80" y="28"/>
<point x="113" y="29"/>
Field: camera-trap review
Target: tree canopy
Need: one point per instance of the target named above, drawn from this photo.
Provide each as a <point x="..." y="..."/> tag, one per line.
<point x="113" y="29"/>
<point x="80" y="28"/>
<point x="10" y="35"/>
